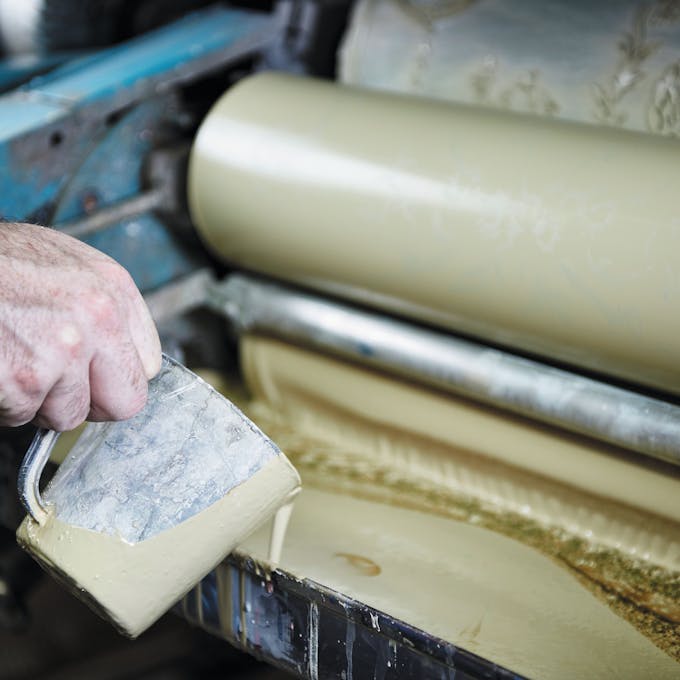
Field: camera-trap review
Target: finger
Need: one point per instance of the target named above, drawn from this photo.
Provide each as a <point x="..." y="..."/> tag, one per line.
<point x="15" y="413"/>
<point x="118" y="384"/>
<point x="22" y="394"/>
<point x="140" y="325"/>
<point x="67" y="404"/>
<point x="144" y="336"/>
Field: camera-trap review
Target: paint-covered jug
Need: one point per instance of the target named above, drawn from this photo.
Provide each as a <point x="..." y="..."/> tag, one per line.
<point x="141" y="510"/>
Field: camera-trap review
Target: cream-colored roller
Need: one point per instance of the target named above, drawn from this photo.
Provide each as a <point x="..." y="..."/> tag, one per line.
<point x="553" y="238"/>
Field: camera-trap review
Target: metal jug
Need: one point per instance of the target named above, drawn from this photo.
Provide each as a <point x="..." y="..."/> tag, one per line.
<point x="141" y="510"/>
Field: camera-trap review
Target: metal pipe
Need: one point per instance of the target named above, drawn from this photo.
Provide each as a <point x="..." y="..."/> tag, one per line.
<point x="490" y="376"/>
<point x="180" y="296"/>
<point x="142" y="203"/>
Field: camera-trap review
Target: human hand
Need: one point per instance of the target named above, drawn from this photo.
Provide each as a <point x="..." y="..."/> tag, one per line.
<point x="77" y="341"/>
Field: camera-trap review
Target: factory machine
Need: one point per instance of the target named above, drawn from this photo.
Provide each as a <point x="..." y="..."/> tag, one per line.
<point x="433" y="250"/>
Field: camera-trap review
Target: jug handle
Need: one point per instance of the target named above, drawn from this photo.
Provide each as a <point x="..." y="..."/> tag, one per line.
<point x="30" y="471"/>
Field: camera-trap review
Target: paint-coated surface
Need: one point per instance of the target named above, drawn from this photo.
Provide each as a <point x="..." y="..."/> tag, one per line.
<point x="595" y="514"/>
<point x="482" y="591"/>
<point x="558" y="239"/>
<point x="133" y="585"/>
<point x="454" y="445"/>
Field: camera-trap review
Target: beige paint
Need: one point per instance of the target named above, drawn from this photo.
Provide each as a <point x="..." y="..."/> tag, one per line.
<point x="438" y="442"/>
<point x="556" y="238"/>
<point x="133" y="585"/>
<point x="65" y="443"/>
<point x="477" y="589"/>
<point x="278" y="532"/>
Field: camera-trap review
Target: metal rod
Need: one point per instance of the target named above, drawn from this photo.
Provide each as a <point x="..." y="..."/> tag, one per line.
<point x="145" y="202"/>
<point x="490" y="376"/>
<point x="180" y="296"/>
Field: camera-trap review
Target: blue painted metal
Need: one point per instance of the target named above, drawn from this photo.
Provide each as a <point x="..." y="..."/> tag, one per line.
<point x="148" y="250"/>
<point x="16" y="71"/>
<point x="61" y="156"/>
<point x="70" y="96"/>
<point x="133" y="70"/>
<point x="121" y="70"/>
<point x="27" y="183"/>
<point x="112" y="171"/>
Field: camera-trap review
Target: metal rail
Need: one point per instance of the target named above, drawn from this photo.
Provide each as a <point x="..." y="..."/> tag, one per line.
<point x="529" y="388"/>
<point x="137" y="205"/>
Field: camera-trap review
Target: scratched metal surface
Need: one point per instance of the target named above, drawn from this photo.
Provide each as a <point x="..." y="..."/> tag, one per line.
<point x="183" y="452"/>
<point x="316" y="633"/>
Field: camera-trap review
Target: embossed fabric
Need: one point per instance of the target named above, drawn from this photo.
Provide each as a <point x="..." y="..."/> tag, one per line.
<point x="612" y="63"/>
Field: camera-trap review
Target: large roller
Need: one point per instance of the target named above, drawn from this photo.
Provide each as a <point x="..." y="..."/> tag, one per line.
<point x="553" y="238"/>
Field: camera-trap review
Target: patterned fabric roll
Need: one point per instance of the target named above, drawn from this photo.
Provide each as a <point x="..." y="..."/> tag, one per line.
<point x="612" y="63"/>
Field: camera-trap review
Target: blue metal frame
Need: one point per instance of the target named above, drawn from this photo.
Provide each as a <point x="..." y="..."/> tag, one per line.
<point x="15" y="71"/>
<point x="64" y="145"/>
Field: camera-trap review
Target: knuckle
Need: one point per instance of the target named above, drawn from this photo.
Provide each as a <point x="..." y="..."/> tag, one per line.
<point x="29" y="381"/>
<point x="70" y="339"/>
<point x="103" y="308"/>
<point x="117" y="276"/>
<point x="106" y="300"/>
